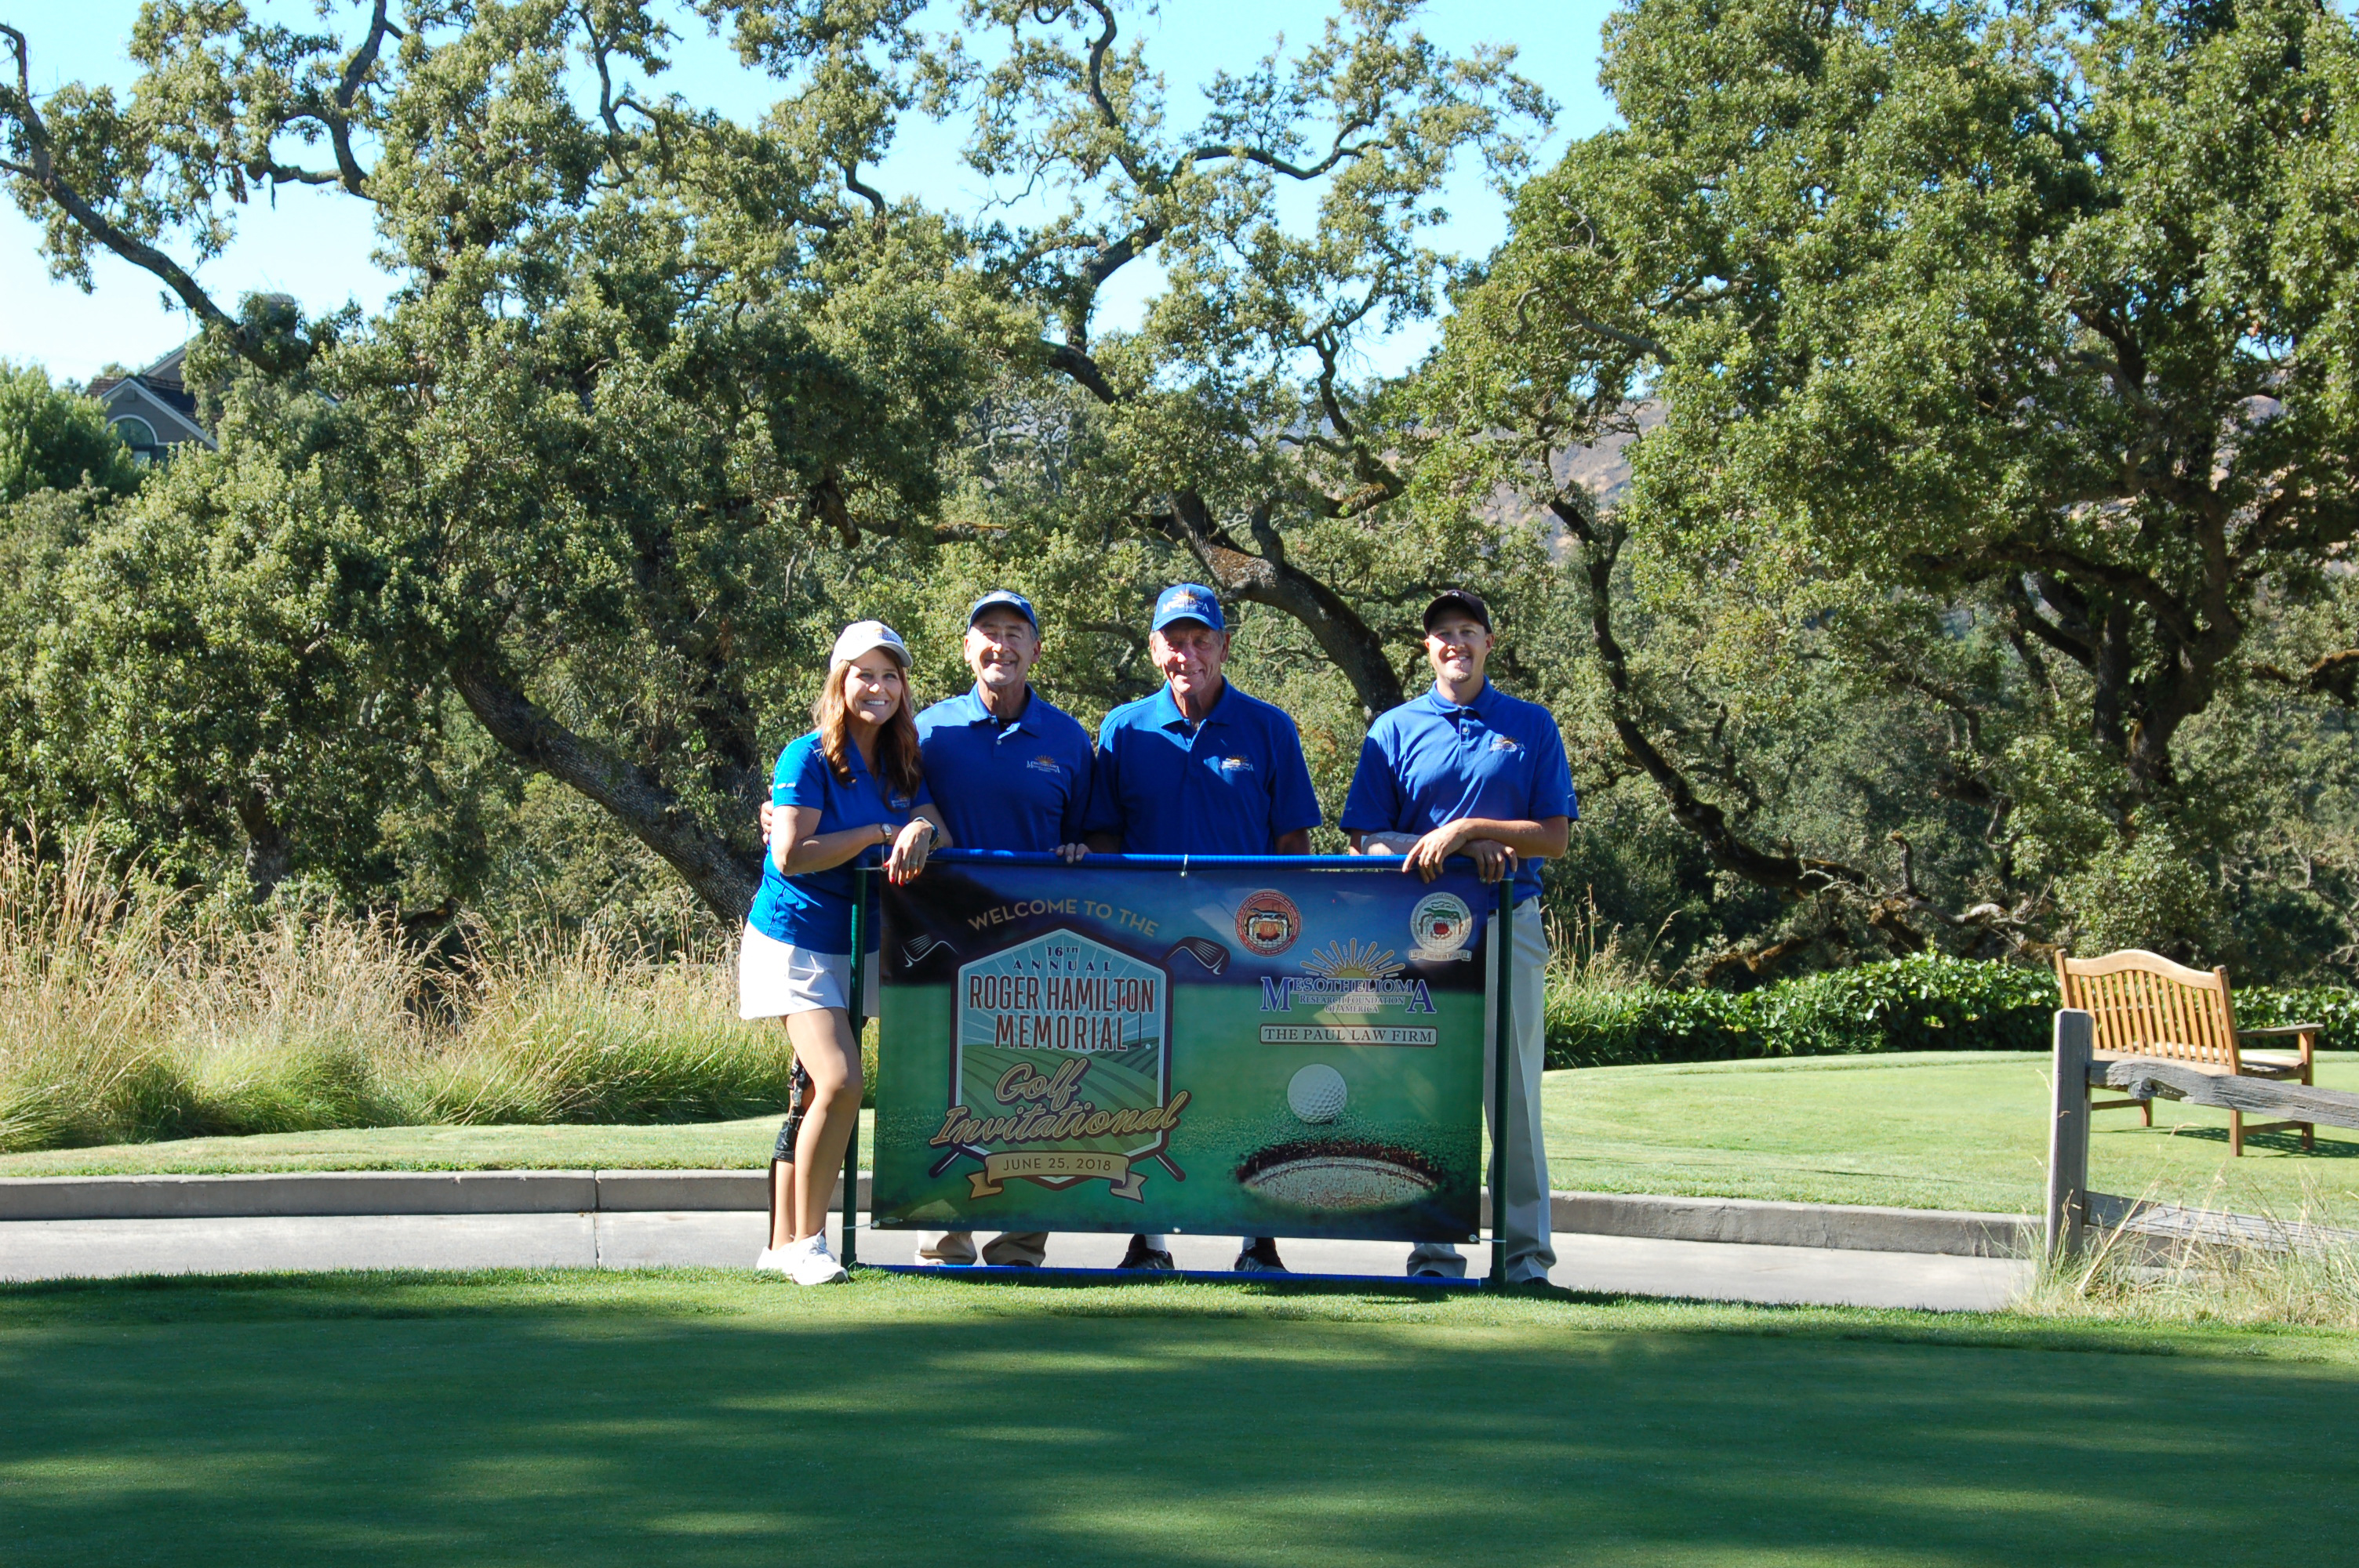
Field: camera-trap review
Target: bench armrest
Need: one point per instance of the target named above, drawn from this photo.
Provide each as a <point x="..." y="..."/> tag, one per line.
<point x="2281" y="1029"/>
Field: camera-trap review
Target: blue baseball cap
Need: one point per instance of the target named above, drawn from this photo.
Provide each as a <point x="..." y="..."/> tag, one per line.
<point x="1009" y="597"/>
<point x="1188" y="601"/>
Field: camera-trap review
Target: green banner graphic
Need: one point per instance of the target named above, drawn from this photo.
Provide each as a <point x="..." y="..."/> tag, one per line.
<point x="1279" y="1046"/>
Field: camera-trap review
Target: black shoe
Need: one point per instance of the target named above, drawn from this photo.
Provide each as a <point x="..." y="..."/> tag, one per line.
<point x="1260" y="1257"/>
<point x="1154" y="1260"/>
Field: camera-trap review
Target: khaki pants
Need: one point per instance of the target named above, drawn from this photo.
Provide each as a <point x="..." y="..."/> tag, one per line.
<point x="1525" y="1227"/>
<point x="1010" y="1248"/>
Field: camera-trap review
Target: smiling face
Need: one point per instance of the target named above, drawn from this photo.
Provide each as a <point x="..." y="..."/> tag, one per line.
<point x="1001" y="648"/>
<point x="1457" y="647"/>
<point x="873" y="685"/>
<point x="1190" y="654"/>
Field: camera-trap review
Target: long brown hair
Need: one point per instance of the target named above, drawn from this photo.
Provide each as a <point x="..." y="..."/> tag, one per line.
<point x="898" y="761"/>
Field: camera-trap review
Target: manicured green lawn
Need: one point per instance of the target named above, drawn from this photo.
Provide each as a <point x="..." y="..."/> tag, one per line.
<point x="1927" y="1130"/>
<point x="702" y="1419"/>
<point x="1933" y="1131"/>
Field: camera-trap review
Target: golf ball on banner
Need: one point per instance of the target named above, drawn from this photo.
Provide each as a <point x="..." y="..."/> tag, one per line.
<point x="1316" y="1093"/>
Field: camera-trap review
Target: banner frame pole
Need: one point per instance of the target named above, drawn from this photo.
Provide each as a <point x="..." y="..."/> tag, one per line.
<point x="859" y="1000"/>
<point x="1501" y="933"/>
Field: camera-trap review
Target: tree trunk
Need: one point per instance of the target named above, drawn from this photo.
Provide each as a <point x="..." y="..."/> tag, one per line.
<point x="270" y="857"/>
<point x="1794" y="874"/>
<point x="723" y="880"/>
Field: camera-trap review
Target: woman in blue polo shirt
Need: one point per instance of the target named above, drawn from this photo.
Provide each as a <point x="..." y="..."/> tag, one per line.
<point x="855" y="784"/>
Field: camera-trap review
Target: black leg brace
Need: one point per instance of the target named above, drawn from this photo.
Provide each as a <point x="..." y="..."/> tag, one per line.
<point x="798" y="1098"/>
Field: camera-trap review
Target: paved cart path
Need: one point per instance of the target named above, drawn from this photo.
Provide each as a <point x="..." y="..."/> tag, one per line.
<point x="40" y="1250"/>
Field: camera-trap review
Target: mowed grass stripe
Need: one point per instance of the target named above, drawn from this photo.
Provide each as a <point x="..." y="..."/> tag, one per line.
<point x="703" y="1420"/>
<point x="1927" y="1130"/>
<point x="1921" y="1131"/>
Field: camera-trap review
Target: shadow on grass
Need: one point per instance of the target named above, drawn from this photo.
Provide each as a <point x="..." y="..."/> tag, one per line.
<point x="695" y="1420"/>
<point x="2329" y="1146"/>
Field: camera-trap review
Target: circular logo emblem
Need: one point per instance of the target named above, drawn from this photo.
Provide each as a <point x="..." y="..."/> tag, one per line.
<point x="1441" y="926"/>
<point x="1268" y="922"/>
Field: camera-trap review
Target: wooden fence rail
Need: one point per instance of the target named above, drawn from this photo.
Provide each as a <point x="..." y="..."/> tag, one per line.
<point x="2072" y="1207"/>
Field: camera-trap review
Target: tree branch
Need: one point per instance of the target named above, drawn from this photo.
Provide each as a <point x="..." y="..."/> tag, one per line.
<point x="2336" y="676"/>
<point x="1799" y="875"/>
<point x="1078" y="365"/>
<point x="631" y="795"/>
<point x="41" y="172"/>
<point x="866" y="193"/>
<point x="1346" y="640"/>
<point x="348" y="87"/>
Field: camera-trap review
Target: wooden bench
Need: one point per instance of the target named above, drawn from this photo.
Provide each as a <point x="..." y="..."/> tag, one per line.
<point x="2145" y="1005"/>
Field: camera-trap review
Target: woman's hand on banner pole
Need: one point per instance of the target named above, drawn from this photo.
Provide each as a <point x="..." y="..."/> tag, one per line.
<point x="910" y="848"/>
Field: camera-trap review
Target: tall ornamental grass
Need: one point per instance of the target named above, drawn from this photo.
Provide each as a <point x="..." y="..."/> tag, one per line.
<point x="128" y="1014"/>
<point x="2309" y="1278"/>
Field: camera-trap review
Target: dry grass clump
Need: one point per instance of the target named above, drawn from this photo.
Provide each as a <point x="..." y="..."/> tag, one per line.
<point x="2307" y="1275"/>
<point x="129" y="1013"/>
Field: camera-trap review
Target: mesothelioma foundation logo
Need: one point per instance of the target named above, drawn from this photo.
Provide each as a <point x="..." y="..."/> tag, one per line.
<point x="1440" y="926"/>
<point x="1344" y="985"/>
<point x="1268" y="922"/>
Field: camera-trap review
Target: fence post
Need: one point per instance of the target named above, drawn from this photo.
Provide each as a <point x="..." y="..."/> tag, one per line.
<point x="2068" y="1132"/>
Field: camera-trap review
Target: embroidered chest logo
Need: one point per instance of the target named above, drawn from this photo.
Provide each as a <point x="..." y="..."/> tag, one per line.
<point x="1503" y="743"/>
<point x="1236" y="765"/>
<point x="1044" y="764"/>
<point x="898" y="802"/>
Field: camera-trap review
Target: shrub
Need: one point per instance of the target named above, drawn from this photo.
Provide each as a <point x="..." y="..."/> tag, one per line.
<point x="1926" y="1002"/>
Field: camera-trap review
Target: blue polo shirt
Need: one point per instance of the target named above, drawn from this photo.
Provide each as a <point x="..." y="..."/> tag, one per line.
<point x="814" y="911"/>
<point x="1232" y="786"/>
<point x="1024" y="785"/>
<point x="1430" y="762"/>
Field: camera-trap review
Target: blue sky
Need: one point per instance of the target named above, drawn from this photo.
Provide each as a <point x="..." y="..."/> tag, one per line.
<point x="316" y="245"/>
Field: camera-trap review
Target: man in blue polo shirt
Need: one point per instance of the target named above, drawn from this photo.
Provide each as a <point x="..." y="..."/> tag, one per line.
<point x="1011" y="771"/>
<point x="1467" y="770"/>
<point x="1200" y="768"/>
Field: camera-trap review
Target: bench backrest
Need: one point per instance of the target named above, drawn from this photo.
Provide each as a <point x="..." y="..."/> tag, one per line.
<point x="2146" y="1005"/>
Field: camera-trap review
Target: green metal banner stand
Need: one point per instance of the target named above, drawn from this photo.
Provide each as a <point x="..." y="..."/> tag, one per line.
<point x="851" y="1254"/>
<point x="1502" y="935"/>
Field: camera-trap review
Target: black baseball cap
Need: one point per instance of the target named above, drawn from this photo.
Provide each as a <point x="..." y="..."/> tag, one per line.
<point x="1465" y="600"/>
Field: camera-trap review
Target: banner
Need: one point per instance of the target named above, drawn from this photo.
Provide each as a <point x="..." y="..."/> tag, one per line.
<point x="1270" y="1046"/>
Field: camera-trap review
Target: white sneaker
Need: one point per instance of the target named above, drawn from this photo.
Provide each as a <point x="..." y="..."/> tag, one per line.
<point x="815" y="1265"/>
<point x="778" y="1260"/>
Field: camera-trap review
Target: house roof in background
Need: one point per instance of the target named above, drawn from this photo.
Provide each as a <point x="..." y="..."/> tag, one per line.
<point x="161" y="388"/>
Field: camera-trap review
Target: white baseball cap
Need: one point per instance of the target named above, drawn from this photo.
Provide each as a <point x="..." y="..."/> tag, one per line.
<point x="867" y="637"/>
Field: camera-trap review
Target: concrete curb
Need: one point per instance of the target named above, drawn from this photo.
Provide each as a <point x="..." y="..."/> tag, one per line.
<point x="1854" y="1228"/>
<point x="298" y="1192"/>
<point x="1846" y="1227"/>
<point x="345" y="1193"/>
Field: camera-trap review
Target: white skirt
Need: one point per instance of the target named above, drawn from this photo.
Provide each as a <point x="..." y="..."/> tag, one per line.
<point x="776" y="978"/>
